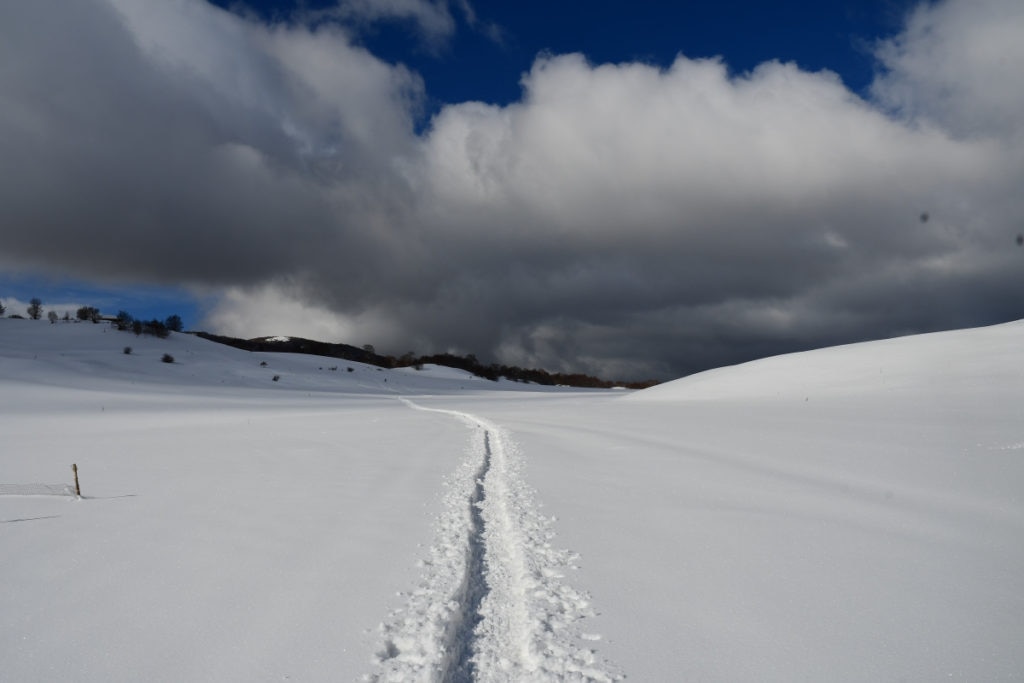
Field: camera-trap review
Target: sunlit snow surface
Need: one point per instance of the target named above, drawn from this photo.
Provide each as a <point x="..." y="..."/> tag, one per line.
<point x="851" y="514"/>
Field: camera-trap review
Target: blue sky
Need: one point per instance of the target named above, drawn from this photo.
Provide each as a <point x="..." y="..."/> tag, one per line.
<point x="576" y="186"/>
<point x="143" y="301"/>
<point x="484" y="61"/>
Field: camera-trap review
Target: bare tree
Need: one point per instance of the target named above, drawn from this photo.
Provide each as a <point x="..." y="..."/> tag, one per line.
<point x="88" y="313"/>
<point x="35" y="309"/>
<point x="124" y="321"/>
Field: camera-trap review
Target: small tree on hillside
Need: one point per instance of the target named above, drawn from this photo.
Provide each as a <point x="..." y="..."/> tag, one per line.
<point x="52" y="317"/>
<point x="35" y="309"/>
<point x="3" y="309"/>
<point x="173" y="323"/>
<point x="89" y="313"/>
<point x="156" y="328"/>
<point x="124" y="321"/>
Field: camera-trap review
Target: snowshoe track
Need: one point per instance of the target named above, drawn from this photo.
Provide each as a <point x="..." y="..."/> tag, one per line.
<point x="490" y="605"/>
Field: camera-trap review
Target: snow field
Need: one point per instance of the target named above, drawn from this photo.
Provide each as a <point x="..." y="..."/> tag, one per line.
<point x="37" y="490"/>
<point x="224" y="535"/>
<point x="847" y="539"/>
<point x="852" y="514"/>
<point x="490" y="605"/>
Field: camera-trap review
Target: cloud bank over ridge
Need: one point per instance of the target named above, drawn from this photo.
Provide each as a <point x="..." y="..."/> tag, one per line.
<point x="621" y="219"/>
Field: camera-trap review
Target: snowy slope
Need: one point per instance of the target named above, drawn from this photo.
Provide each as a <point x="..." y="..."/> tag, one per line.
<point x="847" y="514"/>
<point x="979" y="362"/>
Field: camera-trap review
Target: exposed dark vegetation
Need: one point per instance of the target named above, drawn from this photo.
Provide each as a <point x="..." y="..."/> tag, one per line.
<point x="125" y="322"/>
<point x="468" y="363"/>
<point x="35" y="309"/>
<point x="307" y="346"/>
<point x="89" y="313"/>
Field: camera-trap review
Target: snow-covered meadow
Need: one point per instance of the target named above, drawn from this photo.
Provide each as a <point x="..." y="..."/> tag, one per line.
<point x="849" y="514"/>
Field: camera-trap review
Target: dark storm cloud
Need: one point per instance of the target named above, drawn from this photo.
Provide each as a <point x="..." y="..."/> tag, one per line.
<point x="620" y="219"/>
<point x="204" y="149"/>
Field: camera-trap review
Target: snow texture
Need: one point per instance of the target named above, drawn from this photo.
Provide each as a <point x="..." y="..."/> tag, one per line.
<point x="848" y="514"/>
<point x="490" y="606"/>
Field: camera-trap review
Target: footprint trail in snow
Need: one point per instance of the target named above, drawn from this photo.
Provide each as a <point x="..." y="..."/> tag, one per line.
<point x="490" y="605"/>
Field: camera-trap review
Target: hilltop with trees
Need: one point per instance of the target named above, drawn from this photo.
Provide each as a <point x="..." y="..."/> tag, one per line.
<point x="126" y="322"/>
<point x="469" y="363"/>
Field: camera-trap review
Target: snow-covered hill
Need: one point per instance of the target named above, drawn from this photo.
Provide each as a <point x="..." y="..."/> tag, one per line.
<point x="92" y="356"/>
<point x="846" y="514"/>
<point x="978" y="361"/>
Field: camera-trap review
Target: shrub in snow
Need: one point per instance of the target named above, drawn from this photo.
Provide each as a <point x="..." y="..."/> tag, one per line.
<point x="124" y="321"/>
<point x="52" y="317"/>
<point x="35" y="309"/>
<point x="156" y="328"/>
<point x="127" y="350"/>
<point x="90" y="313"/>
<point x="167" y="358"/>
<point x="277" y="377"/>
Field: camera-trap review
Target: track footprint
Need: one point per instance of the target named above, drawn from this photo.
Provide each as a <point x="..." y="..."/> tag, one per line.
<point x="491" y="604"/>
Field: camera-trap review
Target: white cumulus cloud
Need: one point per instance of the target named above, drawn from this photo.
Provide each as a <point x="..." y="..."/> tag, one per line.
<point x="618" y="219"/>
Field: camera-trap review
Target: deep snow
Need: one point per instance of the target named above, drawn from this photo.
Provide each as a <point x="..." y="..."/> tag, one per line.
<point x="854" y="514"/>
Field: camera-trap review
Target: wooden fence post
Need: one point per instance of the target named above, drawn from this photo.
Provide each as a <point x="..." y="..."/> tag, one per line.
<point x="78" y="490"/>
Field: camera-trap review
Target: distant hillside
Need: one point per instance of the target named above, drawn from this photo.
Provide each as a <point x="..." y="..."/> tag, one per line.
<point x="469" y="363"/>
<point x="299" y="345"/>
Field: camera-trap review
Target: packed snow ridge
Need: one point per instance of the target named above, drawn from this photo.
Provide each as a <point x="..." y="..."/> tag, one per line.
<point x="490" y="605"/>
